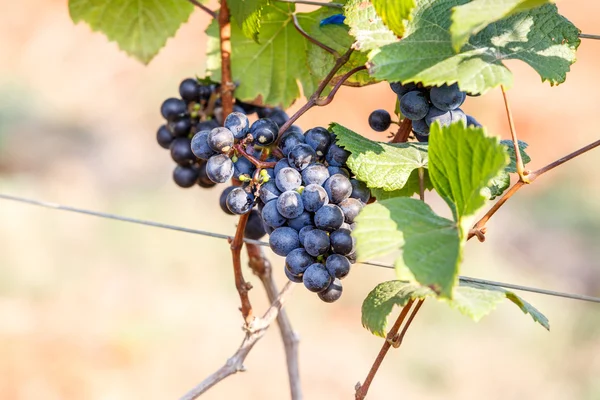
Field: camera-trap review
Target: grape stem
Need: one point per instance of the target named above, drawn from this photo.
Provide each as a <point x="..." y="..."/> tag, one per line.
<point x="588" y="36"/>
<point x="312" y="39"/>
<point x="254" y="332"/>
<point x="479" y="229"/>
<point x="325" y="101"/>
<point x="262" y="268"/>
<point x="312" y="101"/>
<point x="227" y="85"/>
<point x="240" y="283"/>
<point x="404" y="129"/>
<point x="523" y="174"/>
<point x="392" y="339"/>
<point x="313" y="3"/>
<point x="422" y="183"/>
<point x="204" y="8"/>
<point x="257" y="163"/>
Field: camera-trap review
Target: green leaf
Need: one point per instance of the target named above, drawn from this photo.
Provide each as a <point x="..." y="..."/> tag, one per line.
<point x="366" y="26"/>
<point x="497" y="185"/>
<point x="410" y="188"/>
<point x="380" y="302"/>
<point x="393" y="13"/>
<point x="380" y="165"/>
<point x="471" y="299"/>
<point x="462" y="162"/>
<point x="268" y="71"/>
<point x="140" y="28"/>
<point x="472" y="17"/>
<point x="247" y="15"/>
<point x="336" y="37"/>
<point x="431" y="247"/>
<point x="540" y="37"/>
<point x="510" y="149"/>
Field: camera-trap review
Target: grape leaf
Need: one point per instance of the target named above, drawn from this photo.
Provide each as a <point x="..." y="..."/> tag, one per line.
<point x="501" y="182"/>
<point x="510" y="149"/>
<point x="410" y="188"/>
<point x="471" y="299"/>
<point x="336" y="37"/>
<point x="393" y="13"/>
<point x="247" y="15"/>
<point x="269" y="71"/>
<point x="497" y="185"/>
<point x="366" y="26"/>
<point x="140" y="28"/>
<point x="472" y="17"/>
<point x="380" y="165"/>
<point x="431" y="247"/>
<point x="462" y="162"/>
<point x="540" y="37"/>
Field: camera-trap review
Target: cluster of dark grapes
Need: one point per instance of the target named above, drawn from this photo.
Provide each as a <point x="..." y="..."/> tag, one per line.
<point x="423" y="106"/>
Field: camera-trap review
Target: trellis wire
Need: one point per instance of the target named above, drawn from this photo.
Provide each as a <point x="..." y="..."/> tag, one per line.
<point x="56" y="206"/>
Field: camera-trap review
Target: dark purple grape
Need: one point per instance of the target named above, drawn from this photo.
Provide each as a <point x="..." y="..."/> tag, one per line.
<point x="223" y="200"/>
<point x="319" y="139"/>
<point x="188" y="90"/>
<point x="304" y="219"/>
<point x="203" y="180"/>
<point x="301" y="156"/>
<point x="255" y="229"/>
<point x="207" y="125"/>
<point x="281" y="164"/>
<point x="329" y="218"/>
<point x="288" y="179"/>
<point x="316" y="278"/>
<point x="315" y="174"/>
<point x="341" y="242"/>
<point x="314" y="197"/>
<point x="360" y="191"/>
<point x="414" y="105"/>
<point x="264" y="132"/>
<point x="238" y="124"/>
<point x="297" y="261"/>
<point x="338" y="170"/>
<point x="401" y="89"/>
<point x="283" y="240"/>
<point x="336" y="156"/>
<point x="278" y="116"/>
<point x="220" y="140"/>
<point x="219" y="168"/>
<point x="185" y="177"/>
<point x="268" y="191"/>
<point x="473" y="122"/>
<point x="290" y="140"/>
<point x="243" y="166"/>
<point x="271" y="215"/>
<point x="181" y="127"/>
<point x="199" y="146"/>
<point x="351" y="207"/>
<point x="338" y="266"/>
<point x="289" y="204"/>
<point x="164" y="137"/>
<point x="338" y="188"/>
<point x="447" y="98"/>
<point x="181" y="151"/>
<point x="239" y="201"/>
<point x="302" y="233"/>
<point x="380" y="120"/>
<point x="332" y="293"/>
<point x="420" y="127"/>
<point x="295" y="279"/>
<point x="172" y="108"/>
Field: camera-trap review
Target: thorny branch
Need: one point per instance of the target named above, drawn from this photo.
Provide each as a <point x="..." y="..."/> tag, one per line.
<point x="254" y="332"/>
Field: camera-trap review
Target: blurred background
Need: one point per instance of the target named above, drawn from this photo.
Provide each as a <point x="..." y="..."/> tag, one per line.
<point x="97" y="309"/>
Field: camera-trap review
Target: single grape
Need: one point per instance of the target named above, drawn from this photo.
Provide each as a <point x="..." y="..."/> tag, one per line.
<point x="297" y="261"/>
<point x="264" y="132"/>
<point x="351" y="207"/>
<point x="243" y="166"/>
<point x="314" y="197"/>
<point x="338" y="170"/>
<point x="289" y="204"/>
<point x="401" y="89"/>
<point x="338" y="266"/>
<point x="220" y="140"/>
<point x="332" y="293"/>
<point x="185" y="177"/>
<point x="338" y="188"/>
<point x="200" y="147"/>
<point x="281" y="164"/>
<point x="422" y="138"/>
<point x="346" y="226"/>
<point x="435" y="114"/>
<point x="278" y="116"/>
<point x="238" y="124"/>
<point x="255" y="229"/>
<point x="414" y="105"/>
<point x="315" y="174"/>
<point x="181" y="151"/>
<point x="283" y="240"/>
<point x="341" y="242"/>
<point x="301" y="156"/>
<point x="223" y="200"/>
<point x="380" y="120"/>
<point x="268" y="191"/>
<point x="316" y="278"/>
<point x="336" y="156"/>
<point x="473" y="122"/>
<point x="316" y="242"/>
<point x="203" y="180"/>
<point x="295" y="279"/>
<point x="304" y="219"/>
<point x="239" y="201"/>
<point x="447" y="98"/>
<point x="302" y="233"/>
<point x="329" y="218"/>
<point x="207" y="125"/>
<point x="268" y="228"/>
<point x="188" y="90"/>
<point x="288" y="179"/>
<point x="271" y="215"/>
<point x="360" y="191"/>
<point x="219" y="168"/>
<point x="419" y="126"/>
<point x="181" y="127"/>
<point x="319" y="139"/>
<point x="164" y="137"/>
<point x="247" y="107"/>
<point x="172" y="108"/>
<point x="205" y="91"/>
<point x="290" y="140"/>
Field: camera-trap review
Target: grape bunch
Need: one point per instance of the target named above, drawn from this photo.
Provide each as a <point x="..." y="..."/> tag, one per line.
<point x="423" y="106"/>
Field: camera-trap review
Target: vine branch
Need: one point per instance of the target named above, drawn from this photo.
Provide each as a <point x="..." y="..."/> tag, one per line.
<point x="325" y="101"/>
<point x="227" y="85"/>
<point x="204" y="8"/>
<point x="312" y="39"/>
<point x="261" y="267"/>
<point x="240" y="283"/>
<point x="404" y="129"/>
<point x="254" y="332"/>
<point x="523" y="175"/>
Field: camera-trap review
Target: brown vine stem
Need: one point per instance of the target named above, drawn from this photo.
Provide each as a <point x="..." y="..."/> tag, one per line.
<point x="254" y="332"/>
<point x="261" y="267"/>
<point x="404" y="129"/>
<point x="325" y="101"/>
<point x="240" y="283"/>
<point x="312" y="39"/>
<point x="312" y="101"/>
<point x="257" y="163"/>
<point x="227" y="85"/>
<point x="362" y="390"/>
<point x="479" y="229"/>
<point x="204" y="8"/>
<point x="523" y="174"/>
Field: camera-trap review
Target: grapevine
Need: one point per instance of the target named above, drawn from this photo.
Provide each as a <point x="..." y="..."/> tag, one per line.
<point x="327" y="197"/>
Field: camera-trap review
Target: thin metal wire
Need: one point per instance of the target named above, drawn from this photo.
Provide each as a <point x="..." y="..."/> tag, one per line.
<point x="56" y="206"/>
<point x="588" y="36"/>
